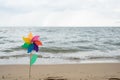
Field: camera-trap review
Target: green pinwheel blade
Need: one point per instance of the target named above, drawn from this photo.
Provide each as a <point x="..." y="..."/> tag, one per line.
<point x="25" y="45"/>
<point x="33" y="59"/>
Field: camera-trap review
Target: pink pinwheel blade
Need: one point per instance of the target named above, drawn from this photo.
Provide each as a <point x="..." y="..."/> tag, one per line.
<point x="35" y="38"/>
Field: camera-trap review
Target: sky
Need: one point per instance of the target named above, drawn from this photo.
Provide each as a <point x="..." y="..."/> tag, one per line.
<point x="59" y="12"/>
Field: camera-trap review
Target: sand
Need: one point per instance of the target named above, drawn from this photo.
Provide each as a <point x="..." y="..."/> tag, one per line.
<point x="101" y="71"/>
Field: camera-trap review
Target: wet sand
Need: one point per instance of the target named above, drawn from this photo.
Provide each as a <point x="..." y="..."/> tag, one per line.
<point x="100" y="71"/>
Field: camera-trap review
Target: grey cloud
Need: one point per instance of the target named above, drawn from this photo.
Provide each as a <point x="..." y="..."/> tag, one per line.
<point x="108" y="9"/>
<point x="64" y="5"/>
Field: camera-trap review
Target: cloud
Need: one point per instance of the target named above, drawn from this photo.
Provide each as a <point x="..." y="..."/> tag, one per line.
<point x="77" y="18"/>
<point x="59" y="13"/>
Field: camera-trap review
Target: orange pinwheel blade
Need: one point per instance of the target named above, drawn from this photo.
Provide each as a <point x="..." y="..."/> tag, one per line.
<point x="38" y="43"/>
<point x="30" y="36"/>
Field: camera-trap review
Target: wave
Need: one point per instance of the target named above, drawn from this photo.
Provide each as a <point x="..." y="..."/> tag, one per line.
<point x="45" y="49"/>
<point x="112" y="43"/>
<point x="80" y="41"/>
<point x="77" y="59"/>
<point x="17" y="56"/>
<point x="12" y="49"/>
<point x="58" y="50"/>
<point x="2" y="37"/>
<point x="87" y="48"/>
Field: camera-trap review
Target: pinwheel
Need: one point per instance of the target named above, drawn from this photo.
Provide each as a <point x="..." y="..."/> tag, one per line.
<point x="31" y="44"/>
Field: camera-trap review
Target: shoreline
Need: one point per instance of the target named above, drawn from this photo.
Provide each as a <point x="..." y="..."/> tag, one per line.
<point x="63" y="64"/>
<point x="96" y="71"/>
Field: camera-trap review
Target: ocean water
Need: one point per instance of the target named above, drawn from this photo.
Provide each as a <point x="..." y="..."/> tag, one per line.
<point x="62" y="45"/>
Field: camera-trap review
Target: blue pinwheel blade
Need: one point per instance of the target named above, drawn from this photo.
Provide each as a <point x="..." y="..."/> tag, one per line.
<point x="30" y="48"/>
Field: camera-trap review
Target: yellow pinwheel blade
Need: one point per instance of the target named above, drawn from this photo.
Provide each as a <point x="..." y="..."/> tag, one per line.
<point x="26" y="40"/>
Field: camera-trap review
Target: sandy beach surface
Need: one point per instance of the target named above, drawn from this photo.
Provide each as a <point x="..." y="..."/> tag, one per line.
<point x="99" y="71"/>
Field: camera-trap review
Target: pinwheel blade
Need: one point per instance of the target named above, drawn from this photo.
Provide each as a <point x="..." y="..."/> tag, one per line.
<point x="36" y="48"/>
<point x="38" y="43"/>
<point x="25" y="45"/>
<point x="33" y="59"/>
<point x="30" y="48"/>
<point x="26" y="40"/>
<point x="35" y="38"/>
<point x="30" y="36"/>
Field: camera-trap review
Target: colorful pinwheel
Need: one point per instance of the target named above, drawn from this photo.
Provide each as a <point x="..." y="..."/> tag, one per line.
<point x="31" y="43"/>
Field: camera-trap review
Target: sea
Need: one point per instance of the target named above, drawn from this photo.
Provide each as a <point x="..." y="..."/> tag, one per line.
<point x="62" y="45"/>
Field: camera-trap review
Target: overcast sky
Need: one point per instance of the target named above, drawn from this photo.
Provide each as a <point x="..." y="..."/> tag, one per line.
<point x="59" y="12"/>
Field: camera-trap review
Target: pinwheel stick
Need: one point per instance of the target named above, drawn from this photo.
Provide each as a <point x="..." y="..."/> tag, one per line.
<point x="31" y="43"/>
<point x="30" y="67"/>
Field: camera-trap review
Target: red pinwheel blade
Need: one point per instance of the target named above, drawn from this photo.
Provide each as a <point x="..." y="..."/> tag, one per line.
<point x="38" y="43"/>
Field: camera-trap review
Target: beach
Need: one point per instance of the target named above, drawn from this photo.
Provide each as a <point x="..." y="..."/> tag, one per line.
<point x="96" y="71"/>
<point x="73" y="54"/>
